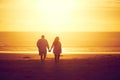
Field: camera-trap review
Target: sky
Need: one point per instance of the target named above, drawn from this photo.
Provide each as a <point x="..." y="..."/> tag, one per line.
<point x="60" y="15"/>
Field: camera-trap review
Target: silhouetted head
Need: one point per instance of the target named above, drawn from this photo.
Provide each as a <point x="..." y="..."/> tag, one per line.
<point x="42" y="36"/>
<point x="57" y="38"/>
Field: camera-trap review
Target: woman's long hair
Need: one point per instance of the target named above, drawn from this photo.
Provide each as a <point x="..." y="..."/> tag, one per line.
<point x="56" y="41"/>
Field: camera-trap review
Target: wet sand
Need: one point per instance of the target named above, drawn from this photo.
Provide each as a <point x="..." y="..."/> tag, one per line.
<point x="70" y="67"/>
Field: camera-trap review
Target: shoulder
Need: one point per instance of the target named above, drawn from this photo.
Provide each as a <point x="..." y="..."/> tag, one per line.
<point x="59" y="42"/>
<point x="39" y="40"/>
<point x="45" y="39"/>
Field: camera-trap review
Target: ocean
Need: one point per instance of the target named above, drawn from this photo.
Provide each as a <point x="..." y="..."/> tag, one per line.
<point x="72" y="42"/>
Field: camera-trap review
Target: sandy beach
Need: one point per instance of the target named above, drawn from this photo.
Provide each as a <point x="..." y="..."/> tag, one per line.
<point x="70" y="67"/>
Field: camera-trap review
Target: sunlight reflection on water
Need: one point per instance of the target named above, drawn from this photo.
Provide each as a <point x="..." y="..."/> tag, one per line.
<point x="78" y="50"/>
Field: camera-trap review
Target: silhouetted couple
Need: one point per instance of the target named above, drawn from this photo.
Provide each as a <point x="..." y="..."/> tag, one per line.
<point x="43" y="45"/>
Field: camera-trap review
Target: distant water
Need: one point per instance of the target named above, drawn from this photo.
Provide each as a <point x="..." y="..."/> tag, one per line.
<point x="66" y="50"/>
<point x="25" y="42"/>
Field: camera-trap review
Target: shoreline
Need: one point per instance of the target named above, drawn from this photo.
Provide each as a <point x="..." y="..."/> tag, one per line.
<point x="24" y="56"/>
<point x="36" y="52"/>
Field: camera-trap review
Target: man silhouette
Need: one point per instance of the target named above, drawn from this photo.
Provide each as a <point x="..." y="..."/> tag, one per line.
<point x="42" y="45"/>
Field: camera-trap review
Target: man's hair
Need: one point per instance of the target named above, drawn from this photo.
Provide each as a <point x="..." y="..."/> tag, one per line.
<point x="42" y="36"/>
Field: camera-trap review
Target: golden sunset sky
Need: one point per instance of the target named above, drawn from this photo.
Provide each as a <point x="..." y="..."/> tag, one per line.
<point x="60" y="15"/>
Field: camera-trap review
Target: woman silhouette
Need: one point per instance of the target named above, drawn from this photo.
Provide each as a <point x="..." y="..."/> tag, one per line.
<point x="56" y="49"/>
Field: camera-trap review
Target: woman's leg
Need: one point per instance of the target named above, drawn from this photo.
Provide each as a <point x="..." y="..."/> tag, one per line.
<point x="55" y="57"/>
<point x="58" y="57"/>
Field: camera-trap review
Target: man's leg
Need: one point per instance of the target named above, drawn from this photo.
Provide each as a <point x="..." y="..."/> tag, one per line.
<point x="41" y="57"/>
<point x="44" y="56"/>
<point x="40" y="54"/>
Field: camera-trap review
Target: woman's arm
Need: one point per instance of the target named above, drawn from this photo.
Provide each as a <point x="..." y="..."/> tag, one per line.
<point x="52" y="46"/>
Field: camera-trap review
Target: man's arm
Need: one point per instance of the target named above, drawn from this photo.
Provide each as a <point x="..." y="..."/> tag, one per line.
<point x="37" y="43"/>
<point x="47" y="44"/>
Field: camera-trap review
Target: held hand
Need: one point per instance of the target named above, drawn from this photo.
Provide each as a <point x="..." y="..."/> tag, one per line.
<point x="49" y="50"/>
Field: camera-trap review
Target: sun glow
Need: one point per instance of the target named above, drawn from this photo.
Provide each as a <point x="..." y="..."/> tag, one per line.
<point x="59" y="15"/>
<point x="56" y="13"/>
